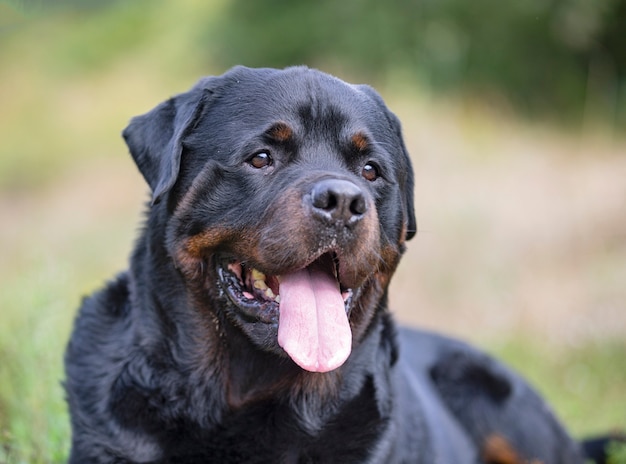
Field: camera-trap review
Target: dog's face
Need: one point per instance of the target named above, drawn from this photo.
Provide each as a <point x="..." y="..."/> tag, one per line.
<point x="284" y="198"/>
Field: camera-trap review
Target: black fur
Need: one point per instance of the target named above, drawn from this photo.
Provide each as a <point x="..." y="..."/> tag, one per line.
<point x="163" y="367"/>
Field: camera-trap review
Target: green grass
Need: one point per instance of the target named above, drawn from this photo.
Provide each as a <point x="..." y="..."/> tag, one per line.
<point x="42" y="287"/>
<point x="33" y="417"/>
<point x="617" y="453"/>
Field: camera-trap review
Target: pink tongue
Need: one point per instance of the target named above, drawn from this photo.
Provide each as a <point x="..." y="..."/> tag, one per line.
<point x="313" y="327"/>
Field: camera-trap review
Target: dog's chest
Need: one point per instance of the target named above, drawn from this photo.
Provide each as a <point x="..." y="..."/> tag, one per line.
<point x="276" y="432"/>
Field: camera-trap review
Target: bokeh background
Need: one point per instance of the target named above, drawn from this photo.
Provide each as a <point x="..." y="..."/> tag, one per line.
<point x="514" y="113"/>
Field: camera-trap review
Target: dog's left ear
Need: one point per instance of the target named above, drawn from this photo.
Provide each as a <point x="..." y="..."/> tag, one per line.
<point x="405" y="170"/>
<point x="411" y="226"/>
<point x="155" y="138"/>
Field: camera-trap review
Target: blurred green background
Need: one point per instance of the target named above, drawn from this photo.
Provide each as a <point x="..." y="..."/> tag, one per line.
<point x="514" y="113"/>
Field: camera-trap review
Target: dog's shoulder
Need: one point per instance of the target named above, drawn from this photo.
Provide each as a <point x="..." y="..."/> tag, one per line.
<point x="99" y="313"/>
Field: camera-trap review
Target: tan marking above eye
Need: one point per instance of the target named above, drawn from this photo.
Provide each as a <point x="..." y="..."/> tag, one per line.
<point x="360" y="141"/>
<point x="280" y="132"/>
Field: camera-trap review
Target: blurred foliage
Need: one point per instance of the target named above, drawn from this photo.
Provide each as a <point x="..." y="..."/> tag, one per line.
<point x="617" y="453"/>
<point x="72" y="77"/>
<point x="565" y="58"/>
<point x="562" y="58"/>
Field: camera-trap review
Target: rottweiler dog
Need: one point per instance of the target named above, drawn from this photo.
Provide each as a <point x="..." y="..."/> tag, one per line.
<point x="252" y="325"/>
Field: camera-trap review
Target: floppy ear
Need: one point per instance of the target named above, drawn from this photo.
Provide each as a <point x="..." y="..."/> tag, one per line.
<point x="155" y="138"/>
<point x="406" y="169"/>
<point x="411" y="226"/>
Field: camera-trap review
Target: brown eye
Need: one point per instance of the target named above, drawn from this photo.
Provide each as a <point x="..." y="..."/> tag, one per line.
<point x="370" y="172"/>
<point x="261" y="160"/>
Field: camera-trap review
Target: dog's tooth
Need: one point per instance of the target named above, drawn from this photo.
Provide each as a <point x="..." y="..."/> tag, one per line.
<point x="260" y="284"/>
<point x="269" y="293"/>
<point x="257" y="275"/>
<point x="277" y="299"/>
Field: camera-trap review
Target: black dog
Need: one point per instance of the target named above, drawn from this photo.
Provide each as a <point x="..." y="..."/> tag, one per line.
<point x="252" y="325"/>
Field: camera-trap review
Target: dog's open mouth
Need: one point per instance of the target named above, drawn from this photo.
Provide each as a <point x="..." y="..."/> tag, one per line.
<point x="309" y="303"/>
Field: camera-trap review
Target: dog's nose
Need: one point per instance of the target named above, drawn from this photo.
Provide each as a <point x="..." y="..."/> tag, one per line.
<point x="338" y="200"/>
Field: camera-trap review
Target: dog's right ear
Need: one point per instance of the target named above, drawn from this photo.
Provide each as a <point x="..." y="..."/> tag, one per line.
<point x="155" y="138"/>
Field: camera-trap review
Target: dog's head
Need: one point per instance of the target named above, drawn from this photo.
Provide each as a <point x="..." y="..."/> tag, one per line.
<point x="284" y="198"/>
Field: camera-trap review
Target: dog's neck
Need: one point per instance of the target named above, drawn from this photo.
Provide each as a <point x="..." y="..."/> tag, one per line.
<point x="253" y="378"/>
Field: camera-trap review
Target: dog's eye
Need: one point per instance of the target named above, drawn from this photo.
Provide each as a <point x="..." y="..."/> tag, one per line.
<point x="370" y="172"/>
<point x="261" y="160"/>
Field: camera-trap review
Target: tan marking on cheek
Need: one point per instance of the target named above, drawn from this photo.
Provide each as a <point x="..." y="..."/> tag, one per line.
<point x="403" y="233"/>
<point x="373" y="291"/>
<point x="209" y="239"/>
<point x="360" y="141"/>
<point x="280" y="132"/>
<point x="390" y="258"/>
<point x="361" y="254"/>
<point x="192" y="252"/>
